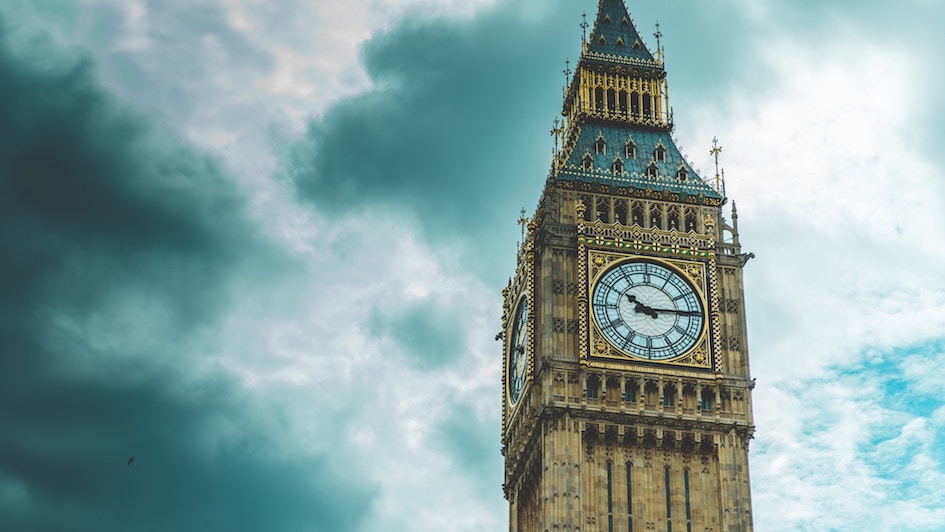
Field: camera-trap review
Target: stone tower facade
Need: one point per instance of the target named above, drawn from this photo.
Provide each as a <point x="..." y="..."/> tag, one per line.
<point x="627" y="391"/>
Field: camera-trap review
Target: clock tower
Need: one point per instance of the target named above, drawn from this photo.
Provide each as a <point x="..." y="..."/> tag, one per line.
<point x="626" y="386"/>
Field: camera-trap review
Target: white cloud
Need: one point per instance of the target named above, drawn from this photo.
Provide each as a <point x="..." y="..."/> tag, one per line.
<point x="835" y="203"/>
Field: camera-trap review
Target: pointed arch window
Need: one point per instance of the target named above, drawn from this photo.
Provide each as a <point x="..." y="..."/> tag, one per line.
<point x="629" y="476"/>
<point x="619" y="42"/>
<point x="607" y="19"/>
<point x="688" y="505"/>
<point x="637" y="213"/>
<point x="669" y="500"/>
<point x="669" y="395"/>
<point x="588" y="162"/>
<point x="690" y="220"/>
<point x="593" y="387"/>
<point x="620" y="212"/>
<point x="602" y="40"/>
<point x="652" y="171"/>
<point x="600" y="146"/>
<point x="610" y="497"/>
<point x="631" y="390"/>
<point x="630" y="150"/>
<point x="624" y="21"/>
<point x="618" y="167"/>
<point x="672" y="216"/>
<point x="660" y="154"/>
<point x="682" y="174"/>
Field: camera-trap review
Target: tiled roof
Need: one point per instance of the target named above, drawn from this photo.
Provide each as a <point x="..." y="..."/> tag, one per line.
<point x="635" y="169"/>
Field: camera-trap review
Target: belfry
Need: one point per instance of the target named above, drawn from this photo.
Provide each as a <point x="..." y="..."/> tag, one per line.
<point x="626" y="385"/>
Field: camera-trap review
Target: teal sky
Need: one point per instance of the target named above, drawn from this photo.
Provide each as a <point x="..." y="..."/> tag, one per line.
<point x="259" y="246"/>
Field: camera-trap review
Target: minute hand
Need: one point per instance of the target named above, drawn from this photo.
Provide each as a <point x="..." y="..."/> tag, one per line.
<point x="679" y="312"/>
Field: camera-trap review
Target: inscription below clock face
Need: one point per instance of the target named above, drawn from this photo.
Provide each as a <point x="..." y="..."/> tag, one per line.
<point x="518" y="352"/>
<point x="648" y="311"/>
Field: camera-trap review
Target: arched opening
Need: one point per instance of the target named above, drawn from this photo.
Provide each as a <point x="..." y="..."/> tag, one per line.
<point x="622" y="99"/>
<point x="708" y="399"/>
<point x="691" y="220"/>
<point x="672" y="217"/>
<point x="588" y="207"/>
<point x="599" y="99"/>
<point x="620" y="212"/>
<point x="652" y="171"/>
<point x="669" y="395"/>
<point x="651" y="395"/>
<point x="630" y="150"/>
<point x="602" y="209"/>
<point x="618" y="167"/>
<point x="656" y="217"/>
<point x="635" y="104"/>
<point x="593" y="387"/>
<point x="600" y="146"/>
<point x="631" y="391"/>
<point x="613" y="389"/>
<point x="588" y="162"/>
<point x="637" y="213"/>
<point x="660" y="154"/>
<point x="611" y="101"/>
<point x="647" y="106"/>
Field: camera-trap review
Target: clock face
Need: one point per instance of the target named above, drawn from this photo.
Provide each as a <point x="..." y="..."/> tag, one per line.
<point x="518" y="351"/>
<point x="647" y="310"/>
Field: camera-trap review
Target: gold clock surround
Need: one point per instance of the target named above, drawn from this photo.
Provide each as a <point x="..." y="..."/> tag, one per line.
<point x="599" y="348"/>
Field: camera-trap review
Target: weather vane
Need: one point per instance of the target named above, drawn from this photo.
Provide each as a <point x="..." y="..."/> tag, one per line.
<point x="715" y="151"/>
<point x="658" y="35"/>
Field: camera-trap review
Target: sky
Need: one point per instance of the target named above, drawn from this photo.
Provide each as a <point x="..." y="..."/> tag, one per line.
<point x="260" y="247"/>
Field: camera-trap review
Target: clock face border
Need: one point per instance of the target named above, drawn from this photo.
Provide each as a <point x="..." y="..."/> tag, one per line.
<point x="518" y="325"/>
<point x="696" y="274"/>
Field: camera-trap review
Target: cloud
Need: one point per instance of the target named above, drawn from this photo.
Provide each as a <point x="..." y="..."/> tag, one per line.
<point x="119" y="248"/>
<point x="447" y="130"/>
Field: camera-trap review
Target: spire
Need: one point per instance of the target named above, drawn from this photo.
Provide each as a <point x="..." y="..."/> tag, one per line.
<point x="614" y="37"/>
<point x="617" y="120"/>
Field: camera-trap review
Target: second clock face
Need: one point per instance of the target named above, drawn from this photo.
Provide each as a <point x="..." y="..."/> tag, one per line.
<point x="518" y="351"/>
<point x="648" y="310"/>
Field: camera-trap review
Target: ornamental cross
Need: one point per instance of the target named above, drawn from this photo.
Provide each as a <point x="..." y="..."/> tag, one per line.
<point x="523" y="221"/>
<point x="658" y="35"/>
<point x="715" y="151"/>
<point x="719" y="179"/>
<point x="557" y="131"/>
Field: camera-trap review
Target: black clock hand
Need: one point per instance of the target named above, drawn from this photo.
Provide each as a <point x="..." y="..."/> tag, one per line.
<point x="680" y="312"/>
<point x="640" y="308"/>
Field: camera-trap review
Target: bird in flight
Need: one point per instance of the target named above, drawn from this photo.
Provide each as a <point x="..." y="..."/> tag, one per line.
<point x="132" y="459"/>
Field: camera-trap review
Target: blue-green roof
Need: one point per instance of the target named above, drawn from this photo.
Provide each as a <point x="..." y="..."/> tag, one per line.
<point x="615" y="39"/>
<point x="635" y="172"/>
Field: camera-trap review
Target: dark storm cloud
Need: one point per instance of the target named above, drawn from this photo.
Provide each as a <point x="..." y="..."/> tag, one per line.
<point x="431" y="335"/>
<point x="449" y="129"/>
<point x="117" y="251"/>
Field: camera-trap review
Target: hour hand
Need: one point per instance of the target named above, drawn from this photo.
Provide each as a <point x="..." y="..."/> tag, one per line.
<point x="640" y="308"/>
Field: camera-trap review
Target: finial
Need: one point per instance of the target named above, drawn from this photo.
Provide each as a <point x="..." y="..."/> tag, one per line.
<point x="584" y="26"/>
<point x="567" y="76"/>
<point x="557" y="130"/>
<point x="523" y="221"/>
<point x="715" y="151"/>
<point x="658" y="35"/>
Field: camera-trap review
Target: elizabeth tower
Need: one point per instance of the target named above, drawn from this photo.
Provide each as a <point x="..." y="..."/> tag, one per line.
<point x="626" y="387"/>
